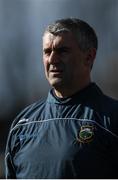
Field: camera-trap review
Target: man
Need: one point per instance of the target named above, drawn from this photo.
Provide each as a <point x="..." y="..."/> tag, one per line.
<point x="74" y="132"/>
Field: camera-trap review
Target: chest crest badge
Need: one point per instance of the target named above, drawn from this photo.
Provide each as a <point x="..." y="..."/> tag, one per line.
<point x="86" y="134"/>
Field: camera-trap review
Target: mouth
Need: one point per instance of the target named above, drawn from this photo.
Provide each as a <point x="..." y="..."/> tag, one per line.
<point x="56" y="72"/>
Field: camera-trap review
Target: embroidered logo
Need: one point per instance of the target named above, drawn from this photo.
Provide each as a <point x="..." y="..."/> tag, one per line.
<point x="86" y="134"/>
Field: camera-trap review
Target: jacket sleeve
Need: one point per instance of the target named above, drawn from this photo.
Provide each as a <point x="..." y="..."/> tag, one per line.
<point x="9" y="166"/>
<point x="10" y="170"/>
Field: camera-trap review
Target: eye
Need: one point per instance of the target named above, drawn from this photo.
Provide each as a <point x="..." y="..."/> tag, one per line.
<point x="47" y="52"/>
<point x="63" y="50"/>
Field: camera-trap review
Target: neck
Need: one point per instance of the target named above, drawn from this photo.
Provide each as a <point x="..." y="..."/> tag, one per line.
<point x="66" y="92"/>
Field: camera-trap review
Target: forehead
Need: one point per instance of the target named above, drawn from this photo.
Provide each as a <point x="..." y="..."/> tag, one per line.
<point x="62" y="39"/>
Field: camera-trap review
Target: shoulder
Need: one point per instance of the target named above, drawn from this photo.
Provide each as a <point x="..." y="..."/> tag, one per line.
<point x="21" y="123"/>
<point x="106" y="102"/>
<point x="111" y="105"/>
<point x="110" y="102"/>
<point x="28" y="112"/>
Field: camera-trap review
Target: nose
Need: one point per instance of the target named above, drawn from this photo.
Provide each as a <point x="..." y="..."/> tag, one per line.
<point x="54" y="58"/>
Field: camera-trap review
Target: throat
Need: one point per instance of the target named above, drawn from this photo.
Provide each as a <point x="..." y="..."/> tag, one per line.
<point x="64" y="93"/>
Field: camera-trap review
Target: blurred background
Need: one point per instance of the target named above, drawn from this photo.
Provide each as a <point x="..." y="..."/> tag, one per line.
<point x="22" y="79"/>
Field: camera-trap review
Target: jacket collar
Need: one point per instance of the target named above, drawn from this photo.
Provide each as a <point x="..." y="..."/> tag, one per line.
<point x="90" y="92"/>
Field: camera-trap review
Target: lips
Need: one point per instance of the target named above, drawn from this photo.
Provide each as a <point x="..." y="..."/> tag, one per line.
<point x="56" y="73"/>
<point x="56" y="70"/>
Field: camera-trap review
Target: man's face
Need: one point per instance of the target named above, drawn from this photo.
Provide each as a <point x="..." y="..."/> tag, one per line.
<point x="63" y="60"/>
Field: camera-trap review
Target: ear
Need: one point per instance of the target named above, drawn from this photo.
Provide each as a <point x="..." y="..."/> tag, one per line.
<point x="90" y="57"/>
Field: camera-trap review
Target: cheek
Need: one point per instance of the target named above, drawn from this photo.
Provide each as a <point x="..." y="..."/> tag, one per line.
<point x="45" y="63"/>
<point x="45" y="68"/>
<point x="75" y="66"/>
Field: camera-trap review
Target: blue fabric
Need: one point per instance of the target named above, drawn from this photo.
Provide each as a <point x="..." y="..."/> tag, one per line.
<point x="74" y="137"/>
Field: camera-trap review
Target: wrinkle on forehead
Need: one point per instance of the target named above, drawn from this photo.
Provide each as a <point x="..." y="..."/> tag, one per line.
<point x="49" y="39"/>
<point x="58" y="40"/>
<point x="49" y="36"/>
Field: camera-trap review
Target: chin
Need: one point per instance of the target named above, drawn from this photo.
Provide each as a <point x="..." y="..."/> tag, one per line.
<point x="56" y="83"/>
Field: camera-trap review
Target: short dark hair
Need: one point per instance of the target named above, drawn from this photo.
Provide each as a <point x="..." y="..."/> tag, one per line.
<point x="84" y="33"/>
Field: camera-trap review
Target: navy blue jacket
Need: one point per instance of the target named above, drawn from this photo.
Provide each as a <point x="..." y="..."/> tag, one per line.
<point x="74" y="137"/>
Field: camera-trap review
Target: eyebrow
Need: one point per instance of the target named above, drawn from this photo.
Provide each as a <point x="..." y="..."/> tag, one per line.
<point x="57" y="48"/>
<point x="61" y="48"/>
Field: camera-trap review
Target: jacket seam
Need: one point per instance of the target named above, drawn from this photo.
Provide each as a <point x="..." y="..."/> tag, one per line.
<point x="53" y="119"/>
